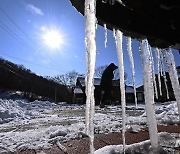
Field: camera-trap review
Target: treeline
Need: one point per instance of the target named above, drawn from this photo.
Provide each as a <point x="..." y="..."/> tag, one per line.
<point x="17" y="77"/>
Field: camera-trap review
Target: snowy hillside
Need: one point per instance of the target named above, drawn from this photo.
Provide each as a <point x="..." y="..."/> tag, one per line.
<point x="39" y="124"/>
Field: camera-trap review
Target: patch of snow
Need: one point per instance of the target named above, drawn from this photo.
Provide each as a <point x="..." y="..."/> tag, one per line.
<point x="40" y="124"/>
<point x="165" y="139"/>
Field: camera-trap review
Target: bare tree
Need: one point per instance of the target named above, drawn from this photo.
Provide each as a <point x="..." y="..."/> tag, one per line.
<point x="126" y="78"/>
<point x="68" y="79"/>
<point x="61" y="79"/>
<point x="100" y="69"/>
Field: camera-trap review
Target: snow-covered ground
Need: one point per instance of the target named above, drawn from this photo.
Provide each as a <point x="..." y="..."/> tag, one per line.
<point x="39" y="124"/>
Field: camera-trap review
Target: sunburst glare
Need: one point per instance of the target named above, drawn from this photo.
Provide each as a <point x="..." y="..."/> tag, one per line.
<point x="53" y="39"/>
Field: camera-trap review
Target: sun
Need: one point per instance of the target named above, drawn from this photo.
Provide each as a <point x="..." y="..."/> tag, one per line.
<point x="53" y="39"/>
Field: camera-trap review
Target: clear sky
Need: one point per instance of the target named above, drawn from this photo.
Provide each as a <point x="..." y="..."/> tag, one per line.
<point x="25" y="23"/>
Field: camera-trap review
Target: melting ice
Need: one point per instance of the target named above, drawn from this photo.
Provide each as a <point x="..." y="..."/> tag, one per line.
<point x="118" y="40"/>
<point x="90" y="11"/>
<point x="129" y="48"/>
<point x="169" y="59"/>
<point x="149" y="92"/>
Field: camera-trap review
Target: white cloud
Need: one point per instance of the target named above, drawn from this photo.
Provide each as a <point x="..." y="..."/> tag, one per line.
<point x="34" y="10"/>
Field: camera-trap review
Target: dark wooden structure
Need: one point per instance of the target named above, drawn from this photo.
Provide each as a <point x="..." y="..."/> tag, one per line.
<point x="156" y="20"/>
<point x="80" y="96"/>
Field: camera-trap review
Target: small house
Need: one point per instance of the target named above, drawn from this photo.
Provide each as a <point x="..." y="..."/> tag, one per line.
<point x="80" y="96"/>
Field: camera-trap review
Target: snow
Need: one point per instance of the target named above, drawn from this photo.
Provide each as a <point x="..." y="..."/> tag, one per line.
<point x="78" y="90"/>
<point x="40" y="124"/>
<point x="143" y="147"/>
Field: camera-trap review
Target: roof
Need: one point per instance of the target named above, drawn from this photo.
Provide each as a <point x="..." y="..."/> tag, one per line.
<point x="82" y="81"/>
<point x="78" y="90"/>
<point x="129" y="89"/>
<point x="97" y="81"/>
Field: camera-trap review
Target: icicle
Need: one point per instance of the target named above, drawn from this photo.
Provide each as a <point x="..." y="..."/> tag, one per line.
<point x="105" y="35"/>
<point x="114" y="33"/>
<point x="164" y="75"/>
<point x="90" y="11"/>
<point x="169" y="58"/>
<point x="157" y="53"/>
<point x="120" y="2"/>
<point x="160" y="64"/>
<point x="118" y="39"/>
<point x="153" y="73"/>
<point x="129" y="48"/>
<point x="112" y="2"/>
<point x="149" y="93"/>
<point x="104" y="1"/>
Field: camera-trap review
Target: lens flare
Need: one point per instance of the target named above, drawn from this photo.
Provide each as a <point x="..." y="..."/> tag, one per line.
<point x="53" y="39"/>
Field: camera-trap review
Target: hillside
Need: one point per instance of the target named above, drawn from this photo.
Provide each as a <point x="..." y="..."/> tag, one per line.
<point x="18" y="78"/>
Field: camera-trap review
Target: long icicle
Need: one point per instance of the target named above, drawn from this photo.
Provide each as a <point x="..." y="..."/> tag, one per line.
<point x="160" y="62"/>
<point x="164" y="75"/>
<point x="153" y="73"/>
<point x="149" y="93"/>
<point x="90" y="11"/>
<point x="169" y="59"/>
<point x="157" y="53"/>
<point x="130" y="54"/>
<point x="118" y="39"/>
<point x="105" y="36"/>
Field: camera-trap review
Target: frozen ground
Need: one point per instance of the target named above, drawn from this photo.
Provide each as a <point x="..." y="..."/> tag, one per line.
<point x="39" y="124"/>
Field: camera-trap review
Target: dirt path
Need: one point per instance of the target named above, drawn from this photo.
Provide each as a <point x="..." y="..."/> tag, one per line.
<point x="101" y="140"/>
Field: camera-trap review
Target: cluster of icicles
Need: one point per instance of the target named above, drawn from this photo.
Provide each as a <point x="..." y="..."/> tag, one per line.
<point x="163" y="57"/>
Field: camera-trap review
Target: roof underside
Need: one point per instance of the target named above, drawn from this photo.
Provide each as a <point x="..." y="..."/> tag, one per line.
<point x="156" y="20"/>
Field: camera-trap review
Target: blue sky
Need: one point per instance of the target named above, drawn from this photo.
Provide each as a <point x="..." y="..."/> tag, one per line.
<point x="24" y="22"/>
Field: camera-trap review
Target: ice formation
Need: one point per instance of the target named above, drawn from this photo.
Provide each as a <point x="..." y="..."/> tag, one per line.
<point x="158" y="69"/>
<point x="164" y="76"/>
<point x="118" y="39"/>
<point x="153" y="73"/>
<point x="149" y="92"/>
<point x="169" y="59"/>
<point x="130" y="54"/>
<point x="90" y="11"/>
<point x="105" y="35"/>
<point x="148" y="76"/>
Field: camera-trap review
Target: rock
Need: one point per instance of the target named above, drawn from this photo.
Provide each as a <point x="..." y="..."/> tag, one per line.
<point x="58" y="133"/>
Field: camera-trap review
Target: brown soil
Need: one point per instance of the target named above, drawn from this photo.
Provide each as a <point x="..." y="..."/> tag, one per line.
<point x="101" y="140"/>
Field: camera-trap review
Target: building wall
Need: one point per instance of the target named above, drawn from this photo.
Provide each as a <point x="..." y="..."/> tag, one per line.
<point x="116" y="96"/>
